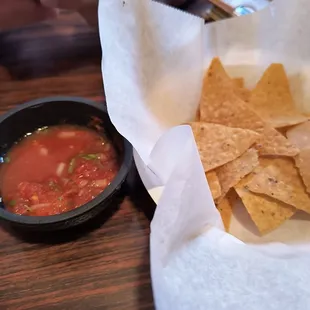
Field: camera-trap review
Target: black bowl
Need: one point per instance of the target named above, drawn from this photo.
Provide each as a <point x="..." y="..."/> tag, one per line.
<point x="55" y="111"/>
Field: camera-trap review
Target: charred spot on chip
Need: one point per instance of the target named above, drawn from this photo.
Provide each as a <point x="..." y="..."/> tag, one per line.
<point x="272" y="180"/>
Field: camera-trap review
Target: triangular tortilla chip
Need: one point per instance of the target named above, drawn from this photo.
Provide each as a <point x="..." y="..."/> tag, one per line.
<point x="303" y="163"/>
<point x="275" y="144"/>
<point x="220" y="105"/>
<point x="231" y="173"/>
<point x="225" y="208"/>
<point x="272" y="100"/>
<point x="281" y="180"/>
<point x="267" y="213"/>
<point x="219" y="144"/>
<point x="300" y="135"/>
<point x="214" y="184"/>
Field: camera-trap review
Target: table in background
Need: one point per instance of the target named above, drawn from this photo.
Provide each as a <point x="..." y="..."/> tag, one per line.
<point x="109" y="267"/>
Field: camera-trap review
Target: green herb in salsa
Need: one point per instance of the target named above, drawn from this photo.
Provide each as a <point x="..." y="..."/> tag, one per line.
<point x="90" y="156"/>
<point x="12" y="203"/>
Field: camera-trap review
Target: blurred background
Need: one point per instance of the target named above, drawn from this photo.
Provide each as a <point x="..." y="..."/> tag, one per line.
<point x="70" y="44"/>
<point x="213" y="10"/>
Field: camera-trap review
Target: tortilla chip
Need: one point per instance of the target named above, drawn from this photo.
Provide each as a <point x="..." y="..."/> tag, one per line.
<point x="264" y="162"/>
<point x="275" y="144"/>
<point x="281" y="180"/>
<point x="217" y="144"/>
<point x="240" y="90"/>
<point x="300" y="135"/>
<point x="225" y="208"/>
<point x="272" y="99"/>
<point x="220" y="105"/>
<point x="231" y="173"/>
<point x="238" y="82"/>
<point x="243" y="93"/>
<point x="267" y="213"/>
<point x="303" y="164"/>
<point x="214" y="184"/>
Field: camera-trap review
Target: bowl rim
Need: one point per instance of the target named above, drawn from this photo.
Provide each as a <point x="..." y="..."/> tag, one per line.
<point x="104" y="196"/>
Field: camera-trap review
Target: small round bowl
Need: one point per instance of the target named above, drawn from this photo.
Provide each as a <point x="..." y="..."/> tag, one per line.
<point x="55" y="111"/>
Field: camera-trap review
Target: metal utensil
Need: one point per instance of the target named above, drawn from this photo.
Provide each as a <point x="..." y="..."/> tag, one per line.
<point x="240" y="9"/>
<point x="213" y="10"/>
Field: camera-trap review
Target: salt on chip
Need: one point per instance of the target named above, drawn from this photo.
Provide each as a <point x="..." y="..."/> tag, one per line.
<point x="225" y="208"/>
<point x="303" y="164"/>
<point x="214" y="184"/>
<point x="272" y="100"/>
<point x="267" y="213"/>
<point x="300" y="135"/>
<point x="231" y="173"/>
<point x="220" y="105"/>
<point x="281" y="180"/>
<point x="219" y="144"/>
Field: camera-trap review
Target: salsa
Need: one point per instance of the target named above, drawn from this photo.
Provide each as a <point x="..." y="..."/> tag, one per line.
<point x="56" y="169"/>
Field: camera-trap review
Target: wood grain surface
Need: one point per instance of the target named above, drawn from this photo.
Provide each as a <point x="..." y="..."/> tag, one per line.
<point x="106" y="267"/>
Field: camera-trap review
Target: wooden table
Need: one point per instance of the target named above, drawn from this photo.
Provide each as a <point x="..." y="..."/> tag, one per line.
<point x="107" y="268"/>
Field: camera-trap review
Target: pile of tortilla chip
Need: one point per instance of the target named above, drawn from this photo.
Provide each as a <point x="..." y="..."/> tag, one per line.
<point x="254" y="146"/>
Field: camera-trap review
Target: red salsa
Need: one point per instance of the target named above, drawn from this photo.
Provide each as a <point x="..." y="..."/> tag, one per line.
<point x="56" y="169"/>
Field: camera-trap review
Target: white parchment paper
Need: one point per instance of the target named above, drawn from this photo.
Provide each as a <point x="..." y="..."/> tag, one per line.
<point x="153" y="62"/>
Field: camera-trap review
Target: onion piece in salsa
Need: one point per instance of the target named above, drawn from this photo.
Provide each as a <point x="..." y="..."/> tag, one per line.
<point x="56" y="170"/>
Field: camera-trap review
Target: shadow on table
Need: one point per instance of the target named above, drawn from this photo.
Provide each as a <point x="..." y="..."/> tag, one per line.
<point x="70" y="234"/>
<point x="144" y="203"/>
<point x="133" y="188"/>
<point x="145" y="293"/>
<point x="139" y="195"/>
